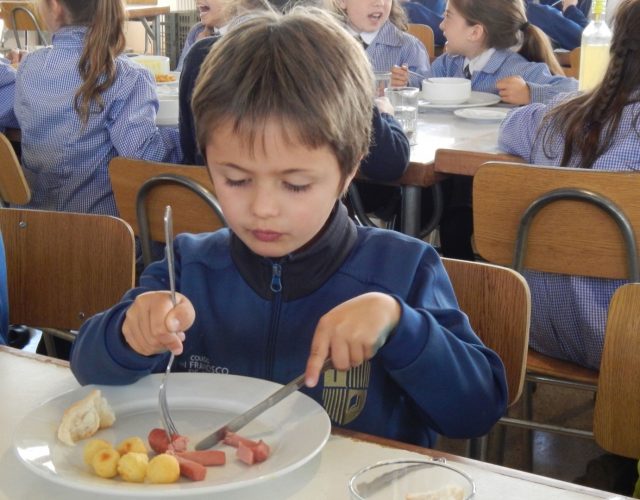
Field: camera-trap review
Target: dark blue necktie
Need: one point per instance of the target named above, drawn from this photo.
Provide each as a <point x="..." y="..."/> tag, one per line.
<point x="467" y="73"/>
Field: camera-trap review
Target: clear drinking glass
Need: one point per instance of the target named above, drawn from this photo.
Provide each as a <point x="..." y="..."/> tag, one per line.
<point x="382" y="81"/>
<point x="405" y="105"/>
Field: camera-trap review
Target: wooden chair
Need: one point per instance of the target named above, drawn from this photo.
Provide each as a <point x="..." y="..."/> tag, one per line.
<point x="423" y="33"/>
<point x="64" y="267"/>
<point x="458" y="162"/>
<point x="22" y="16"/>
<point x="13" y="185"/>
<point x="617" y="412"/>
<point x="142" y="189"/>
<point x="570" y="221"/>
<point x="497" y="301"/>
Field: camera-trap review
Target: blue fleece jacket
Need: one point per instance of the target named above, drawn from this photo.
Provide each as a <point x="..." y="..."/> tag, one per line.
<point x="433" y="375"/>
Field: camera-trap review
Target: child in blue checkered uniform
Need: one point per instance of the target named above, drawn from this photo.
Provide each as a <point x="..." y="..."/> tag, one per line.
<point x="381" y="27"/>
<point x="597" y="130"/>
<point x="79" y="103"/>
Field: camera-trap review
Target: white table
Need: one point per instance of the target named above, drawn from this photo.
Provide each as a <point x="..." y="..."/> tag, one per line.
<point x="27" y="380"/>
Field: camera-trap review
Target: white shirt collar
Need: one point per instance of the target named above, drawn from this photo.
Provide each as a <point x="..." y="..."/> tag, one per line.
<point x="480" y="61"/>
<point x="368" y="36"/>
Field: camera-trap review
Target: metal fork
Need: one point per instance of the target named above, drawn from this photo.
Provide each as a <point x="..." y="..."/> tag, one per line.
<point x="167" y="422"/>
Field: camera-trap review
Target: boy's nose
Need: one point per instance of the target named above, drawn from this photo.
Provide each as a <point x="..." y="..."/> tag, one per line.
<point x="264" y="203"/>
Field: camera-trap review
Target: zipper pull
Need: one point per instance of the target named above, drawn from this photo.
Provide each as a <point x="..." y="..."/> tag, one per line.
<point x="276" y="282"/>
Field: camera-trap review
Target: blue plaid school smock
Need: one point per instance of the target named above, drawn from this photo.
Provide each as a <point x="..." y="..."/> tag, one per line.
<point x="394" y="47"/>
<point x="543" y="86"/>
<point x="66" y="162"/>
<point x="7" y="92"/>
<point x="569" y="313"/>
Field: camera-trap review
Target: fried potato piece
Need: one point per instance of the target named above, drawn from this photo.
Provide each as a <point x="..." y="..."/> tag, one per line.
<point x="132" y="467"/>
<point x="165" y="78"/>
<point x="163" y="469"/>
<point x="131" y="445"/>
<point x="92" y="447"/>
<point x="105" y="462"/>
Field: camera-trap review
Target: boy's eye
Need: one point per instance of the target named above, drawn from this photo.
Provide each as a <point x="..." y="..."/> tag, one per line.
<point x="236" y="182"/>
<point x="296" y="188"/>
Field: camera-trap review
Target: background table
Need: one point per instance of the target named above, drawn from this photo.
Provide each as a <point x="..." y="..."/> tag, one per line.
<point x="146" y="14"/>
<point x="27" y="380"/>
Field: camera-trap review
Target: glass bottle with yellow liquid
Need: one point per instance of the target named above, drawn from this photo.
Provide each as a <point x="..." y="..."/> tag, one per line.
<point x="594" y="49"/>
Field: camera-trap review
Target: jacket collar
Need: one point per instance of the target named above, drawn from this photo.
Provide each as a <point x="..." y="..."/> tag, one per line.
<point x="301" y="272"/>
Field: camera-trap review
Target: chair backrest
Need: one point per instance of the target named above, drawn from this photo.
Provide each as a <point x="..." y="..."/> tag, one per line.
<point x="498" y="304"/>
<point x="13" y="186"/>
<point x="617" y="412"/>
<point x="142" y="190"/>
<point x="64" y="267"/>
<point x="423" y="33"/>
<point x="574" y="63"/>
<point x="567" y="236"/>
<point x="22" y="16"/>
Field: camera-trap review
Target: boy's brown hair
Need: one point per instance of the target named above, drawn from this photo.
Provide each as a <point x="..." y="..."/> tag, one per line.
<point x="302" y="70"/>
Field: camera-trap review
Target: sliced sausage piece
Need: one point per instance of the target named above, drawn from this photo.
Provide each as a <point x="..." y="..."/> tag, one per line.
<point x="205" y="457"/>
<point x="245" y="453"/>
<point x="179" y="443"/>
<point x="191" y="470"/>
<point x="158" y="440"/>
<point x="233" y="439"/>
<point x="261" y="451"/>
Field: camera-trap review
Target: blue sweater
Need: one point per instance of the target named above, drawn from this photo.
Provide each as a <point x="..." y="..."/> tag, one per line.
<point x="432" y="375"/>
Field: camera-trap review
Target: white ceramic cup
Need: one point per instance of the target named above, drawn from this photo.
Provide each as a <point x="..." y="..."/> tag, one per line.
<point x="446" y="90"/>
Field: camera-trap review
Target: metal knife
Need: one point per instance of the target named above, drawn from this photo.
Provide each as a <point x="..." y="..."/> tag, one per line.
<point x="243" y="419"/>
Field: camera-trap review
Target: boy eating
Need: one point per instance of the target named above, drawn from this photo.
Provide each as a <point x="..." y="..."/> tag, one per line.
<point x="293" y="281"/>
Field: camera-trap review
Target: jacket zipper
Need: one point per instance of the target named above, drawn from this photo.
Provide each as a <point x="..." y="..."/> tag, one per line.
<point x="276" y="288"/>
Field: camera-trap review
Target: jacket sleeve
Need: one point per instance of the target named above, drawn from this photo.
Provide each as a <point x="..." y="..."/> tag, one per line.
<point x="519" y="129"/>
<point x="131" y="124"/>
<point x="389" y="152"/>
<point x="7" y="95"/>
<point x="457" y="383"/>
<point x="100" y="354"/>
<point x="542" y="84"/>
<point x="190" y="71"/>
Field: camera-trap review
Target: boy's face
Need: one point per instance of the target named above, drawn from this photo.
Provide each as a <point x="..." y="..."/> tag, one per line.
<point x="461" y="38"/>
<point x="277" y="200"/>
<point x="366" y="15"/>
<point x="210" y="13"/>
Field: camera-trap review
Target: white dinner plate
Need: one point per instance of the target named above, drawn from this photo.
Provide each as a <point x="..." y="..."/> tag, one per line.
<point x="482" y="114"/>
<point x="296" y="429"/>
<point x="477" y="99"/>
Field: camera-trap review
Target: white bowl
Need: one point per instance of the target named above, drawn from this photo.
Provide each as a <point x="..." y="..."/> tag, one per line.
<point x="446" y="90"/>
<point x="156" y="64"/>
<point x="403" y="479"/>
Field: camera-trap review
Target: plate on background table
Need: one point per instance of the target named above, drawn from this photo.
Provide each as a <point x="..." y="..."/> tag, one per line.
<point x="483" y="114"/>
<point x="477" y="99"/>
<point x="296" y="429"/>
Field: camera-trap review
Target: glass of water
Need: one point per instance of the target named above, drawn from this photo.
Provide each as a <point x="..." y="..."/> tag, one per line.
<point x="405" y="105"/>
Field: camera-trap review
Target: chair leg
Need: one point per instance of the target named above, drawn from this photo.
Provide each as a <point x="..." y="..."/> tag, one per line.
<point x="527" y="410"/>
<point x="478" y="448"/>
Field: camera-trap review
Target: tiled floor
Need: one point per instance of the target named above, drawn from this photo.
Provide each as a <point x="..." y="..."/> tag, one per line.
<point x="558" y="456"/>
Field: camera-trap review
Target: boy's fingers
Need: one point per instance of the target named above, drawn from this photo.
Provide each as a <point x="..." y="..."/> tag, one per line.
<point x="319" y="353"/>
<point x="182" y="316"/>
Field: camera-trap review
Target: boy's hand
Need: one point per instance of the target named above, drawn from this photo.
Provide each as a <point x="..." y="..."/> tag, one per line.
<point x="399" y="76"/>
<point x="152" y="325"/>
<point x="514" y="90"/>
<point x="352" y="333"/>
<point x="384" y="105"/>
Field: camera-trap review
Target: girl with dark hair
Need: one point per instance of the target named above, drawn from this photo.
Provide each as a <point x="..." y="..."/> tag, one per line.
<point x="79" y="103"/>
<point x="597" y="130"/>
<point x="492" y="43"/>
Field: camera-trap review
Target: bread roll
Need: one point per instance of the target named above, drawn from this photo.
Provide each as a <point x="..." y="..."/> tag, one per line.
<point x="83" y="418"/>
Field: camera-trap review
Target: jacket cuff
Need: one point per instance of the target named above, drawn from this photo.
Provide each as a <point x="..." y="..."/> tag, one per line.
<point x="407" y="341"/>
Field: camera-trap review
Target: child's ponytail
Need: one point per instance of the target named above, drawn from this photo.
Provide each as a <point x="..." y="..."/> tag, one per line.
<point x="103" y="43"/>
<point x="536" y="47"/>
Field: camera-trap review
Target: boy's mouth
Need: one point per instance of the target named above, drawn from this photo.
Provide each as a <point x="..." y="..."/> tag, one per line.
<point x="266" y="235"/>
